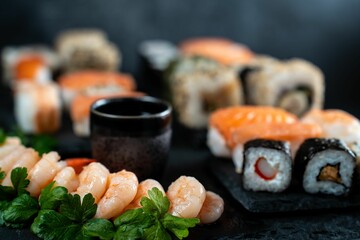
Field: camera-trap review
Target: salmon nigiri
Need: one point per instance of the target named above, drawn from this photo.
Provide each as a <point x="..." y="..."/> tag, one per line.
<point x="32" y="68"/>
<point x="224" y="121"/>
<point x="80" y="110"/>
<point x="94" y="83"/>
<point x="218" y="49"/>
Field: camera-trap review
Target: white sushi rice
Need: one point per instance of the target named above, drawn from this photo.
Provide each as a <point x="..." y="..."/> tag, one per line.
<point x="320" y="160"/>
<point x="82" y="128"/>
<point x="276" y="159"/>
<point x="238" y="158"/>
<point x="217" y="143"/>
<point x="27" y="105"/>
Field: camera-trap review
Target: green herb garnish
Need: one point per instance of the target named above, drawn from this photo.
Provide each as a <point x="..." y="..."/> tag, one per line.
<point x="73" y="221"/>
<point x="152" y="220"/>
<point x="2" y="136"/>
<point x="17" y="207"/>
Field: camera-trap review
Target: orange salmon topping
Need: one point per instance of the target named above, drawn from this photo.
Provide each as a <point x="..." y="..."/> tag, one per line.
<point x="80" y="107"/>
<point x="276" y="131"/>
<point x="84" y="79"/>
<point x="218" y="49"/>
<point x="329" y="116"/>
<point x="227" y="120"/>
<point x="28" y="66"/>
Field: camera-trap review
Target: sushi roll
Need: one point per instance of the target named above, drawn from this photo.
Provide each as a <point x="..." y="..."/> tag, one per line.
<point x="338" y="124"/>
<point x="80" y="110"/>
<point x="267" y="165"/>
<point x="92" y="83"/>
<point x="198" y="86"/>
<point x="218" y="49"/>
<point x="295" y="85"/>
<point x="87" y="49"/>
<point x="28" y="63"/>
<point x="325" y="166"/>
<point x="38" y="107"/>
<point x="157" y="54"/>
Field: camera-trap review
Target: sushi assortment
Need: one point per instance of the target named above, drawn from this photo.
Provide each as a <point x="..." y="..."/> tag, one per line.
<point x="202" y="68"/>
<point x="45" y="81"/>
<point x="269" y="146"/>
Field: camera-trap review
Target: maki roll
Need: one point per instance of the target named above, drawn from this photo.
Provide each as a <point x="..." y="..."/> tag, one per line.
<point x="267" y="165"/>
<point x="87" y="49"/>
<point x="198" y="86"/>
<point x="325" y="166"/>
<point x="295" y="85"/>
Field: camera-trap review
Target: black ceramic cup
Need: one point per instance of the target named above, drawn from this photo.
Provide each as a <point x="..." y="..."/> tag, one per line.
<point x="132" y="134"/>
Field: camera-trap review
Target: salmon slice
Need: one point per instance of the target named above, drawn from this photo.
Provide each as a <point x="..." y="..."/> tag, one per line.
<point x="80" y="107"/>
<point x="293" y="132"/>
<point x="82" y="80"/>
<point x="330" y="116"/>
<point x="229" y="119"/>
<point x="218" y="49"/>
<point x="28" y="67"/>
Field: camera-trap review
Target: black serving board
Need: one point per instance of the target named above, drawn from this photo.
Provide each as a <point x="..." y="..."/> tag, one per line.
<point x="293" y="199"/>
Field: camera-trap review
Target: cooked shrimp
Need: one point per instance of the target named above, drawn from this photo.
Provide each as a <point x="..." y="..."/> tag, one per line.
<point x="9" y="160"/>
<point x="67" y="178"/>
<point x="212" y="208"/>
<point x="6" y="149"/>
<point x="186" y="196"/>
<point x="93" y="179"/>
<point x="142" y="191"/>
<point x="44" y="172"/>
<point x="122" y="190"/>
<point x="28" y="159"/>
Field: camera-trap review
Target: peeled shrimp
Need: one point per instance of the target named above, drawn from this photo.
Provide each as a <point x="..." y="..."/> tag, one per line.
<point x="44" y="172"/>
<point x="93" y="179"/>
<point x="28" y="159"/>
<point x="142" y="191"/>
<point x="67" y="178"/>
<point x="122" y="190"/>
<point x="186" y="196"/>
<point x="212" y="208"/>
<point x="9" y="146"/>
<point x="9" y="160"/>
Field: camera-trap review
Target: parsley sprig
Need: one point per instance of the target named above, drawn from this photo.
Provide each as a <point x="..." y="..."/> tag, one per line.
<point x="73" y="220"/>
<point x="152" y="220"/>
<point x="60" y="215"/>
<point x="17" y="207"/>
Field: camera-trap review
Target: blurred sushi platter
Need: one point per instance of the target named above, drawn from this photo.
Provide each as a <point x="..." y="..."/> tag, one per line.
<point x="272" y="146"/>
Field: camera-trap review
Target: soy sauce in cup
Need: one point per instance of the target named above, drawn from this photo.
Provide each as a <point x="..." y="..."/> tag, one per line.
<point x="132" y="134"/>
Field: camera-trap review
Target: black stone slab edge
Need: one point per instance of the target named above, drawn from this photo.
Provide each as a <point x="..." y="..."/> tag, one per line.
<point x="293" y="199"/>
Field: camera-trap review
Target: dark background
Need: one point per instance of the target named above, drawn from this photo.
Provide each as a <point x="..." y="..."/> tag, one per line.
<point x="325" y="32"/>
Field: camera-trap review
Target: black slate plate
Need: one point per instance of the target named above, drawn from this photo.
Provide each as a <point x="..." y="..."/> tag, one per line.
<point x="293" y="199"/>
